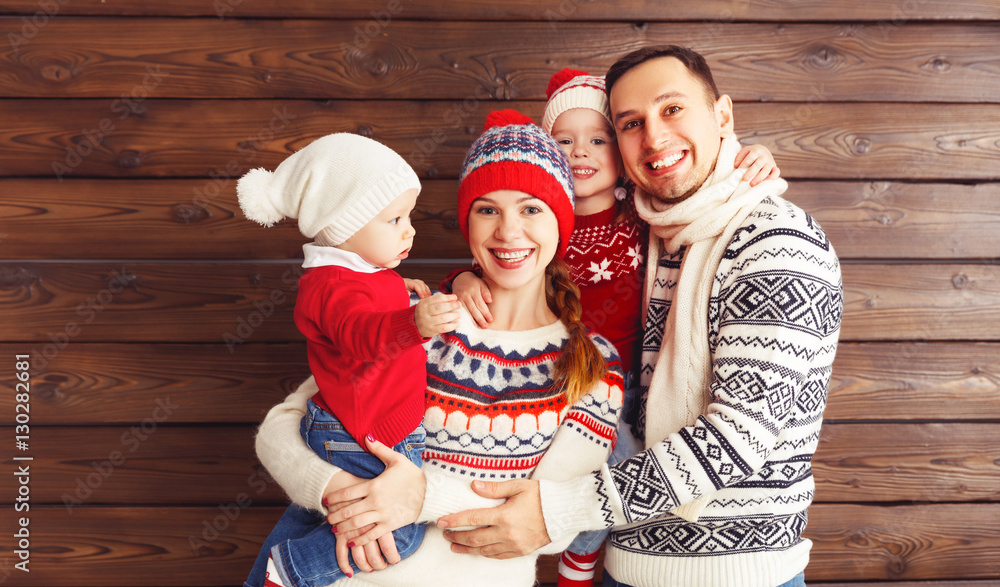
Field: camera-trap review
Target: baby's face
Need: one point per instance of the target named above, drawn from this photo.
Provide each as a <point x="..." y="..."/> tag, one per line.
<point x="588" y="141"/>
<point x="386" y="239"/>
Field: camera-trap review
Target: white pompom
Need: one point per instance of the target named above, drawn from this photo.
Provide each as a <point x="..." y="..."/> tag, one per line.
<point x="252" y="191"/>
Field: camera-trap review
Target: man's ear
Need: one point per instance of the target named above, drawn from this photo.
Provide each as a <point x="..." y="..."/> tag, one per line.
<point x="724" y="115"/>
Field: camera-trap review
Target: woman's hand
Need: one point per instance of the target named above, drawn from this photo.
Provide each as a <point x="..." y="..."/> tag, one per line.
<point x="759" y="163"/>
<point x="474" y="295"/>
<point x="364" y="512"/>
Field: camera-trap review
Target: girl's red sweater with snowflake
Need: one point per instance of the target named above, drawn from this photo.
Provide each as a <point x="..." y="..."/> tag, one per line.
<point x="606" y="263"/>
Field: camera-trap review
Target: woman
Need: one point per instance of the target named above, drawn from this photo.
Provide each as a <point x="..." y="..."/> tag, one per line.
<point x="531" y="396"/>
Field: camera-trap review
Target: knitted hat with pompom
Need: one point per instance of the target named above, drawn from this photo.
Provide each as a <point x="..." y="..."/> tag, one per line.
<point x="338" y="182"/>
<point x="570" y="89"/>
<point x="515" y="154"/>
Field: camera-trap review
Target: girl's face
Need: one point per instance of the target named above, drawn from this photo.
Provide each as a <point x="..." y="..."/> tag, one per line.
<point x="588" y="141"/>
<point x="513" y="236"/>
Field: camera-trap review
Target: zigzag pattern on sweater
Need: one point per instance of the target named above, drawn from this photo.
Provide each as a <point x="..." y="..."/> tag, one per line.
<point x="788" y="347"/>
<point x="671" y="535"/>
<point x="778" y="498"/>
<point x="782" y="253"/>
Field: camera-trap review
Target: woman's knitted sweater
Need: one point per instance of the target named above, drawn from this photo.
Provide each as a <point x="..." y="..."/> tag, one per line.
<point x="493" y="412"/>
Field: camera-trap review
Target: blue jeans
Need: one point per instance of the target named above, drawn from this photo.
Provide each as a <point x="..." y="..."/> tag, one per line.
<point x="797" y="581"/>
<point x="302" y="543"/>
<point x="626" y="447"/>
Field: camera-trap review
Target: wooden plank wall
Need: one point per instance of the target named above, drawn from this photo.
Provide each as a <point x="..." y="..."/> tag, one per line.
<point x="158" y="320"/>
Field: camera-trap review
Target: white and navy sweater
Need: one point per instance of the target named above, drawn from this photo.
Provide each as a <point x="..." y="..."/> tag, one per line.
<point x="774" y="318"/>
<point x="493" y="413"/>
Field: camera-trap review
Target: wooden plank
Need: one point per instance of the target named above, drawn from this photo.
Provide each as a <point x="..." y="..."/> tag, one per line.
<point x="88" y="383"/>
<point x="865" y="543"/>
<point x="920" y="302"/>
<point x="98" y="383"/>
<point x="888" y="12"/>
<point x="58" y="304"/>
<point x="158" y="462"/>
<point x="198" y="138"/>
<point x="199" y="219"/>
<point x="152" y="462"/>
<point x="907" y="462"/>
<point x="915" y="381"/>
<point x="137" y="546"/>
<point x="231" y="303"/>
<point x="336" y="59"/>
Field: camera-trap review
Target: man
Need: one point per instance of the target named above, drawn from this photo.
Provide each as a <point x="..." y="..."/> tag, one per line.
<point x="744" y="301"/>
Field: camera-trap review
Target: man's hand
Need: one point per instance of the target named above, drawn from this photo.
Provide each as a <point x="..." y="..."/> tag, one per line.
<point x="513" y="529"/>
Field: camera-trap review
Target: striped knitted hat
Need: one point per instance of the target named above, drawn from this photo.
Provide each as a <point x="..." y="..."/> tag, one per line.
<point x="514" y="154"/>
<point x="570" y="89"/>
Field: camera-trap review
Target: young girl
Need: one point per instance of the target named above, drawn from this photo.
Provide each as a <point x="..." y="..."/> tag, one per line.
<point x="363" y="338"/>
<point x="606" y="253"/>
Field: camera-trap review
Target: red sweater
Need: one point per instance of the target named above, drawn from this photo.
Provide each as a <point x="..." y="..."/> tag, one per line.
<point x="606" y="261"/>
<point x="364" y="350"/>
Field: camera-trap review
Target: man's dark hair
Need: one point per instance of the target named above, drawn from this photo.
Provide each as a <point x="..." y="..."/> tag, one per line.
<point x="693" y="61"/>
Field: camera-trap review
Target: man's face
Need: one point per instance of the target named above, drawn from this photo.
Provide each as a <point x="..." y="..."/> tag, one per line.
<point x="669" y="129"/>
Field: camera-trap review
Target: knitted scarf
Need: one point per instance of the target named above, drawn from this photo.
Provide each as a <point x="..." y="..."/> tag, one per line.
<point x="705" y="223"/>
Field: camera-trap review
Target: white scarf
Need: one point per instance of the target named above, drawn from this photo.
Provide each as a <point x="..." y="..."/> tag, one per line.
<point x="705" y="222"/>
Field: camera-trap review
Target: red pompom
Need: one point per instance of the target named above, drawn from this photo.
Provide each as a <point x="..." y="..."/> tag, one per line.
<point x="505" y="118"/>
<point x="561" y="77"/>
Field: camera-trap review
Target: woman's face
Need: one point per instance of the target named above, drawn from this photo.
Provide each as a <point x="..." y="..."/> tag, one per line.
<point x="513" y="236"/>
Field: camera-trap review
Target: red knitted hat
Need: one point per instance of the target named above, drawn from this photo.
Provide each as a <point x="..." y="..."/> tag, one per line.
<point x="570" y="89"/>
<point x="515" y="154"/>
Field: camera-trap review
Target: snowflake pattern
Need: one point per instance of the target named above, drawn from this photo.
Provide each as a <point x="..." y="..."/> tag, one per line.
<point x="601" y="272"/>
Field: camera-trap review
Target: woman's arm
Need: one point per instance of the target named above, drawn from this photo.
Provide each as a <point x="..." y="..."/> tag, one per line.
<point x="298" y="470"/>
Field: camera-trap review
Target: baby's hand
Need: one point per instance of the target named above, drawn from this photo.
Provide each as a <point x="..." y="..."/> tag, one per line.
<point x="474" y="295"/>
<point x="436" y="314"/>
<point x="415" y="285"/>
<point x="758" y="162"/>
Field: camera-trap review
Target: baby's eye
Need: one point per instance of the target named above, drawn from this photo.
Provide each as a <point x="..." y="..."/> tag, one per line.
<point x="598" y="141"/>
<point x="395" y="220"/>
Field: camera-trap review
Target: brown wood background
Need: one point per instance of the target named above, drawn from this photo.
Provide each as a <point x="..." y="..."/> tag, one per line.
<point x="129" y="274"/>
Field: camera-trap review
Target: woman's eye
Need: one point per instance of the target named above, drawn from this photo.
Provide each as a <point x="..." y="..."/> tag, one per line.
<point x="532" y="210"/>
<point x="485" y="210"/>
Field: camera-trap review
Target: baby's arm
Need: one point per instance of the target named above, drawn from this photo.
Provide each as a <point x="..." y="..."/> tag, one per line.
<point x="474" y="295"/>
<point x="759" y="163"/>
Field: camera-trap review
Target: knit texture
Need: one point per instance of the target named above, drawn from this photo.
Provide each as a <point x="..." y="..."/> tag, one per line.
<point x="493" y="413"/>
<point x="607" y="260"/>
<point x="774" y="318"/>
<point x="514" y="154"/>
<point x="570" y="89"/>
<point x="364" y="350"/>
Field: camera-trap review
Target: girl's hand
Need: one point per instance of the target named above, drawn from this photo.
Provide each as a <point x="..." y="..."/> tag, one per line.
<point x="369" y="557"/>
<point x="418" y="286"/>
<point x="758" y="162"/>
<point x="474" y="295"/>
<point x="364" y="512"/>
<point x="436" y="314"/>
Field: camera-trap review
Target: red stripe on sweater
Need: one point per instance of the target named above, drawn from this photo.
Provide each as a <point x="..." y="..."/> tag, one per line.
<point x="602" y="430"/>
<point x="452" y="339"/>
<point x="482" y="464"/>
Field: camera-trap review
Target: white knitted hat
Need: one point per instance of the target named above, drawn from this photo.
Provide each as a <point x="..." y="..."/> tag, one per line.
<point x="340" y="181"/>
<point x="570" y="89"/>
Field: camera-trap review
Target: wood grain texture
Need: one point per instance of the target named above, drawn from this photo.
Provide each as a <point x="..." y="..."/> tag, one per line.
<point x="888" y="12"/>
<point x="95" y="383"/>
<point x="232" y="303"/>
<point x="152" y="462"/>
<point x="200" y="219"/>
<point x="915" y="381"/>
<point x="206" y="138"/>
<point x="138" y="546"/>
<point x="908" y="462"/>
<point x="157" y="461"/>
<point x="331" y="59"/>
<point x="913" y="542"/>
